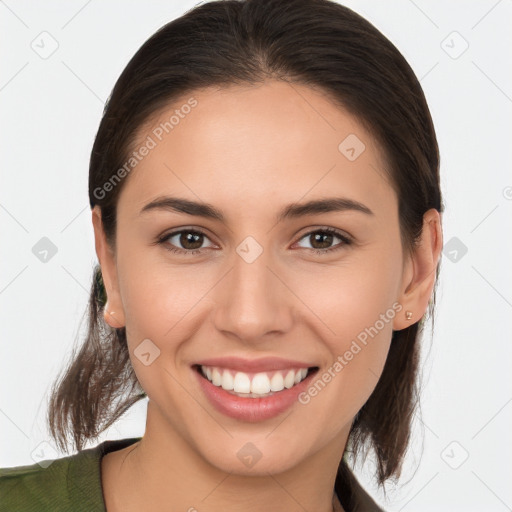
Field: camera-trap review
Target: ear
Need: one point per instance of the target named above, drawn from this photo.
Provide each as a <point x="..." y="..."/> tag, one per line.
<point x="419" y="274"/>
<point x="113" y="311"/>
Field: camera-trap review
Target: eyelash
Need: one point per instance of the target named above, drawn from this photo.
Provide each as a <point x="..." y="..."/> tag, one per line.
<point x="346" y="241"/>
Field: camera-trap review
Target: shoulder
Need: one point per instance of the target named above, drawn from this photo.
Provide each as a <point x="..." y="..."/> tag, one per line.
<point x="68" y="483"/>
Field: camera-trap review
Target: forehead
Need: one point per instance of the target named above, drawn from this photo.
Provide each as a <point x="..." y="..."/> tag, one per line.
<point x="271" y="141"/>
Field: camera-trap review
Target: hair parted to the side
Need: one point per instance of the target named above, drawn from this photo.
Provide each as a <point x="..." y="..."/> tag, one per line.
<point x="318" y="43"/>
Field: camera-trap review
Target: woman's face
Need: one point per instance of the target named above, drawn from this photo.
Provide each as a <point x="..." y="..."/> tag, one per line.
<point x="255" y="283"/>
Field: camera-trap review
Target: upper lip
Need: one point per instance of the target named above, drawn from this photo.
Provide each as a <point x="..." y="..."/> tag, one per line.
<point x="254" y="365"/>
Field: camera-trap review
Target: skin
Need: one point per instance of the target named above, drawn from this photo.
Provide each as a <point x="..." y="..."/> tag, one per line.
<point x="249" y="151"/>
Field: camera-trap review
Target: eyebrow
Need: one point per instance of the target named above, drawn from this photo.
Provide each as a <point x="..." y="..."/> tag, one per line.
<point x="291" y="211"/>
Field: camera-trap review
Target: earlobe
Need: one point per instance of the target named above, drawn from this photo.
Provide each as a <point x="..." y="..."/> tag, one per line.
<point x="113" y="312"/>
<point x="111" y="319"/>
<point x="420" y="272"/>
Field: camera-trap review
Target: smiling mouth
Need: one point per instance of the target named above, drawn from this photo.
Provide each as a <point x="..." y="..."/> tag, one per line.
<point x="254" y="384"/>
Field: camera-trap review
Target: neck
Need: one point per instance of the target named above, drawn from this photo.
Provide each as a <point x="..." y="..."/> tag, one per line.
<point x="164" y="468"/>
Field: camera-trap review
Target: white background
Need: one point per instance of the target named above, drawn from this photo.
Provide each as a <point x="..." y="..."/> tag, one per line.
<point x="50" y="111"/>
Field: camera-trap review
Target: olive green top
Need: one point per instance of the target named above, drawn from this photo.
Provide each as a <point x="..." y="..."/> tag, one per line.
<point x="73" y="483"/>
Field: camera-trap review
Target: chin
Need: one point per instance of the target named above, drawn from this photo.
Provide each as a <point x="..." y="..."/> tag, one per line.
<point x="243" y="457"/>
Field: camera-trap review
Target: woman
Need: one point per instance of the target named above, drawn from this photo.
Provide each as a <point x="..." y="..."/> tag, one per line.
<point x="266" y="205"/>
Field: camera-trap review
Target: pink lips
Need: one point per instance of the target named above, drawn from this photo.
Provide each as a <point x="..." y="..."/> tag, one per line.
<point x="252" y="409"/>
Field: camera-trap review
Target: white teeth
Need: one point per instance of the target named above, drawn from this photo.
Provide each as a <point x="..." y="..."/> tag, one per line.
<point x="216" y="377"/>
<point x="277" y="382"/>
<point x="260" y="384"/>
<point x="289" y="380"/>
<point x="242" y="383"/>
<point x="227" y="381"/>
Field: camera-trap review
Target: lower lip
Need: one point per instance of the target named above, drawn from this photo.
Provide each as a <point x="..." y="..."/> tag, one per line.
<point x="252" y="409"/>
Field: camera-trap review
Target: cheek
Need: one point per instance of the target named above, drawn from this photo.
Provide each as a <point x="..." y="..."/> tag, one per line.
<point x="155" y="294"/>
<point x="162" y="302"/>
<point x="362" y="321"/>
<point x="356" y="304"/>
<point x="352" y="296"/>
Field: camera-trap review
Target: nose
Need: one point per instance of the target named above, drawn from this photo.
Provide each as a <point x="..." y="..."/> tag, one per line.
<point x="252" y="301"/>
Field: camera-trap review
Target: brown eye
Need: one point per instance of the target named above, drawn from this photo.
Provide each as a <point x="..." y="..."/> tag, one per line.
<point x="321" y="240"/>
<point x="185" y="241"/>
<point x="190" y="240"/>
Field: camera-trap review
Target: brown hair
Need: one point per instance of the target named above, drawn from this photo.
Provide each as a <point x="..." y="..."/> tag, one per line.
<point x="318" y="43"/>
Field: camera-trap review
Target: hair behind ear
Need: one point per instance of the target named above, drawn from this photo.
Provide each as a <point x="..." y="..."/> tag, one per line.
<point x="395" y="396"/>
<point x="98" y="384"/>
